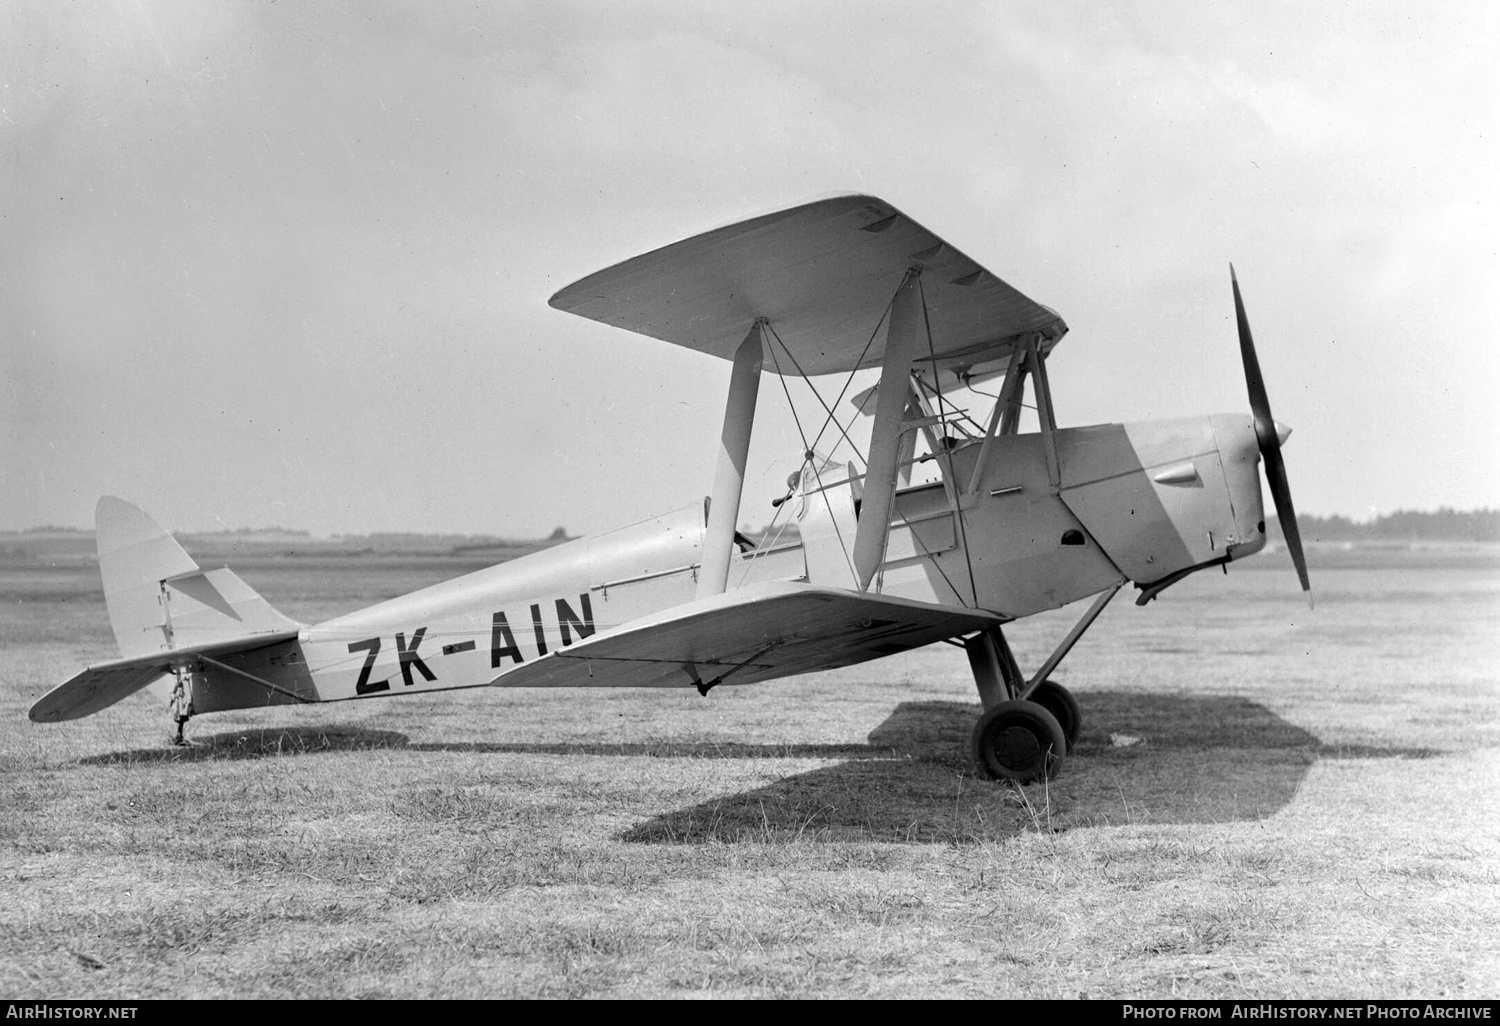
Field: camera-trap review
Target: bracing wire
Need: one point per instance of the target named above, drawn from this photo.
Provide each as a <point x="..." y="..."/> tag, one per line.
<point x="931" y="558"/>
<point x="952" y="486"/>
<point x="831" y="417"/>
<point x="819" y="396"/>
<point x="781" y="376"/>
<point x="767" y="545"/>
<point x="1017" y="403"/>
<point x="807" y="450"/>
<point x="848" y="380"/>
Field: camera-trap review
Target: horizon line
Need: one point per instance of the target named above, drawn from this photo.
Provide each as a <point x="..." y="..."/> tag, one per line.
<point x="307" y="532"/>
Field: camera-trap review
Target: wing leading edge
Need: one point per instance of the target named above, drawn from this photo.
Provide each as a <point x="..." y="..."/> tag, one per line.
<point x="750" y="635"/>
<point x="822" y="273"/>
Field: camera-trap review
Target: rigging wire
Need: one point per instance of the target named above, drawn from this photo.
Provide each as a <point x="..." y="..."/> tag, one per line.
<point x="951" y="484"/>
<point x="819" y="396"/>
<point x="765" y="547"/>
<point x="959" y="414"/>
<point x="781" y="376"/>
<point x="1014" y="402"/>
<point x="931" y="558"/>
<point x="847" y="380"/>
<point x="807" y="450"/>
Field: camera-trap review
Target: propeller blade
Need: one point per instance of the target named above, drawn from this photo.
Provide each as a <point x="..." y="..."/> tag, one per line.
<point x="1281" y="492"/>
<point x="1269" y="441"/>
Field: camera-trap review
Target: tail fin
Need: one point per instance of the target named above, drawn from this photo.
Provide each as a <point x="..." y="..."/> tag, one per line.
<point x="158" y="598"/>
<point x="163" y="607"/>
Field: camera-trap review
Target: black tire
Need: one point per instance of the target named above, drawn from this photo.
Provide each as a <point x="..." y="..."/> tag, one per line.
<point x="1059" y="701"/>
<point x="1020" y="741"/>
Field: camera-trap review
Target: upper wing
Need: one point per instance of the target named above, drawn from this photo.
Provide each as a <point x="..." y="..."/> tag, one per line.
<point x="101" y="686"/>
<point x="753" y="634"/>
<point x="822" y="274"/>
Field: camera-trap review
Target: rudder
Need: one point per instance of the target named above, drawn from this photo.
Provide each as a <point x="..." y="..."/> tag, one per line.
<point x="158" y="597"/>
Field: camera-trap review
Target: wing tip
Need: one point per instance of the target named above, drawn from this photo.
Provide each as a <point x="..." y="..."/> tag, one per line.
<point x="113" y="508"/>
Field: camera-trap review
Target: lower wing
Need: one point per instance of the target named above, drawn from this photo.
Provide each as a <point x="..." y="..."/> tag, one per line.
<point x="749" y="635"/>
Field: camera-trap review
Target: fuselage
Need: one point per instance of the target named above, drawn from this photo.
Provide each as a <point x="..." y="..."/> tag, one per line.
<point x="1032" y="530"/>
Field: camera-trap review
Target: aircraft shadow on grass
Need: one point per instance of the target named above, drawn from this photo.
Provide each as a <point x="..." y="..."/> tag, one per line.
<point x="259" y="743"/>
<point x="1142" y="758"/>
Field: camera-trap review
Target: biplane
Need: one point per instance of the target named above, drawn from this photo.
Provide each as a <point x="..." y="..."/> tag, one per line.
<point x="945" y="526"/>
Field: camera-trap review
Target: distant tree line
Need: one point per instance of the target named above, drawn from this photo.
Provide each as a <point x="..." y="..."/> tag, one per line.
<point x="1445" y="524"/>
<point x="1482" y="525"/>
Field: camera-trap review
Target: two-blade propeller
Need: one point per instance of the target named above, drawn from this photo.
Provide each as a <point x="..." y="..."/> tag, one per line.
<point x="1269" y="438"/>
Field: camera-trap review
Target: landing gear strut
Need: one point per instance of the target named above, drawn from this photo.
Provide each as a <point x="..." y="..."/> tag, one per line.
<point x="1027" y="727"/>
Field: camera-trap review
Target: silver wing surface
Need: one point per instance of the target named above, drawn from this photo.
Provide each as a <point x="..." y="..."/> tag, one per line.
<point x="822" y="274"/>
<point x="752" y="634"/>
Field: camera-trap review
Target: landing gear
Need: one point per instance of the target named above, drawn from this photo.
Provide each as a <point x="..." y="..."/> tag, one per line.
<point x="1018" y="740"/>
<point x="1028" y="726"/>
<point x="180" y="705"/>
<point x="1059" y="701"/>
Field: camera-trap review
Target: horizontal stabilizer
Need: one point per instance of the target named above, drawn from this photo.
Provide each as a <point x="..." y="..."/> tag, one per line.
<point x="100" y="687"/>
<point x="750" y="635"/>
<point x="822" y="274"/>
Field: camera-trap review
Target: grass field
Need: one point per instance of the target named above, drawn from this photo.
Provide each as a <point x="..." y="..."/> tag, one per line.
<point x="1265" y="802"/>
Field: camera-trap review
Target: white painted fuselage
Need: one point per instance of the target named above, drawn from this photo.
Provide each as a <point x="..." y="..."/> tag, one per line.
<point x="1138" y="502"/>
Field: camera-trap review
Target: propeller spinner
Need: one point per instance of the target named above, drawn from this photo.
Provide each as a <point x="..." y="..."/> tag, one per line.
<point x="1269" y="435"/>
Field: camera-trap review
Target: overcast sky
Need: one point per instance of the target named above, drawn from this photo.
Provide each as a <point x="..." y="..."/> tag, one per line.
<point x="284" y="263"/>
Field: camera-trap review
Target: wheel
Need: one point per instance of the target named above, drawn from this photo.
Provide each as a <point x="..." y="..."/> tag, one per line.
<point x="1020" y="741"/>
<point x="1059" y="701"/>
